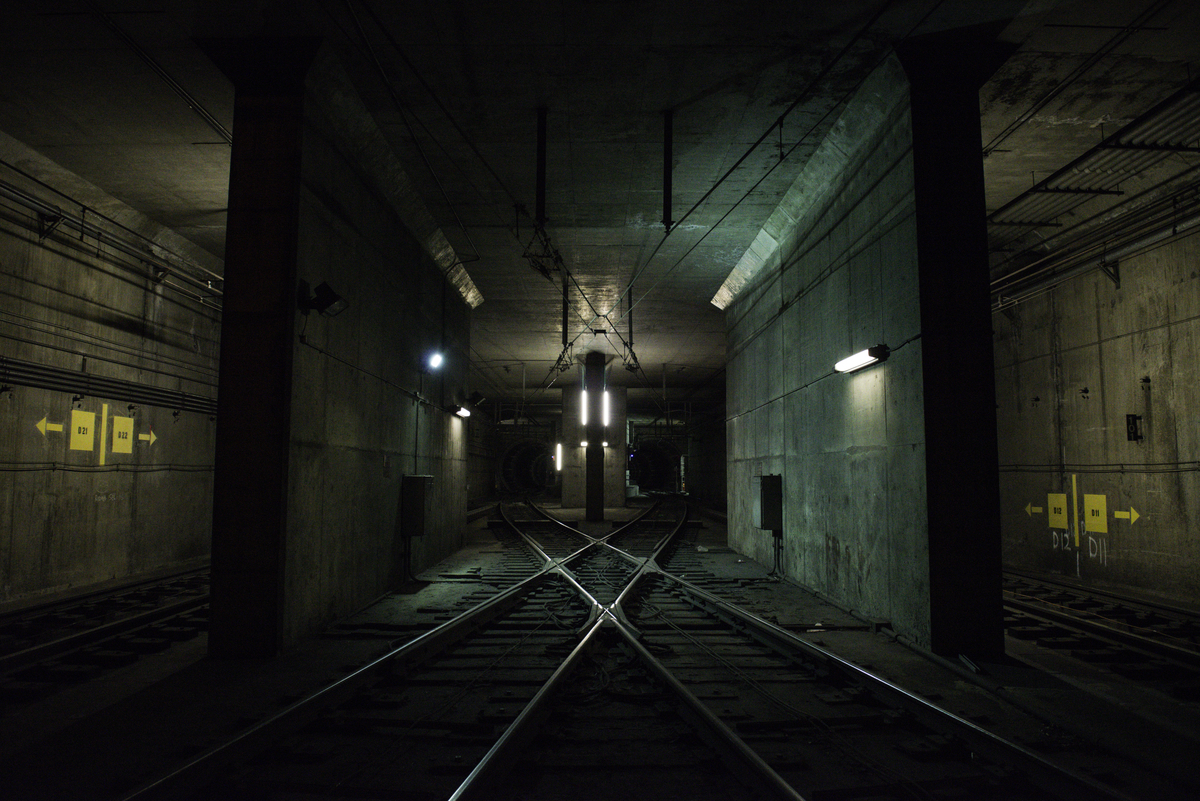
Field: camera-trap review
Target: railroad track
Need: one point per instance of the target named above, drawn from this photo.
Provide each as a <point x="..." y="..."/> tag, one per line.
<point x="1141" y="641"/>
<point x="603" y="675"/>
<point x="46" y="648"/>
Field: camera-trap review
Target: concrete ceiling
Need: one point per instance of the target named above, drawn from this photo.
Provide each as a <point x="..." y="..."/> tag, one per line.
<point x="455" y="87"/>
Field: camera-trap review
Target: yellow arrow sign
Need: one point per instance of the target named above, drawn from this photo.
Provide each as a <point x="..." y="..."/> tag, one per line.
<point x="150" y="438"/>
<point x="44" y="426"/>
<point x="1132" y="515"/>
<point x="1032" y="510"/>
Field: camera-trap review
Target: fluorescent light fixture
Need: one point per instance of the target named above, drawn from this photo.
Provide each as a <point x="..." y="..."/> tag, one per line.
<point x="558" y="456"/>
<point x="863" y="358"/>
<point x="462" y="411"/>
<point x="604" y="408"/>
<point x="603" y="444"/>
<point x="435" y="360"/>
<point x="583" y="407"/>
<point x="583" y="444"/>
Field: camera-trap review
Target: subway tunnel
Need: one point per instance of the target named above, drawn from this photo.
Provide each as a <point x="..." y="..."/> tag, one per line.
<point x="928" y="266"/>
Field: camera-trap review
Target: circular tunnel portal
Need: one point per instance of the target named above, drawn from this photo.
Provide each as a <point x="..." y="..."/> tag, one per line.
<point x="527" y="466"/>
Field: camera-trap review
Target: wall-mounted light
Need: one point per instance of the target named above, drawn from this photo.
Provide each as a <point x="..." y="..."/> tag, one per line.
<point x="558" y="457"/>
<point x="583" y="406"/>
<point x="583" y="444"/>
<point x="434" y="361"/>
<point x="462" y="411"/>
<point x="604" y="408"/>
<point x="862" y="359"/>
<point x="603" y="444"/>
<point x="325" y="301"/>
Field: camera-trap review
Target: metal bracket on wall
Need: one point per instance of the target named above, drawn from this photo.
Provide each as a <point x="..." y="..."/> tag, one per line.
<point x="46" y="224"/>
<point x="1113" y="271"/>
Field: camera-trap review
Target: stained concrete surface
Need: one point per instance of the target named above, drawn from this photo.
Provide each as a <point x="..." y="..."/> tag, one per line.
<point x="101" y="739"/>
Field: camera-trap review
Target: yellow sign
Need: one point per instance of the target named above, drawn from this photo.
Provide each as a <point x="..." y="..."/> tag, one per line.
<point x="1056" y="502"/>
<point x="83" y="430"/>
<point x="1095" y="514"/>
<point x="122" y="440"/>
<point x="148" y="438"/>
<point x="1132" y="515"/>
<point x="44" y="425"/>
<point x="1032" y="510"/>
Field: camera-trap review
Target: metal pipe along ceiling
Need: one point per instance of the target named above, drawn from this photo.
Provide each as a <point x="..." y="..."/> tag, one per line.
<point x="89" y="229"/>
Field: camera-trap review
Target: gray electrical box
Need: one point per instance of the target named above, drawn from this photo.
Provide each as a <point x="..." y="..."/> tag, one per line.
<point x="768" y="502"/>
<point x="416" y="492"/>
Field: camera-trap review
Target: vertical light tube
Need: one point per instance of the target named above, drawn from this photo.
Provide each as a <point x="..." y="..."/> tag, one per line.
<point x="604" y="409"/>
<point x="583" y="404"/>
<point x="558" y="457"/>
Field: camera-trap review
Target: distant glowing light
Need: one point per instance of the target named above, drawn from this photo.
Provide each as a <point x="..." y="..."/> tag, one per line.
<point x="435" y="361"/>
<point x="583" y="444"/>
<point x="604" y="408"/>
<point x="463" y="411"/>
<point x="583" y="406"/>
<point x="558" y="456"/>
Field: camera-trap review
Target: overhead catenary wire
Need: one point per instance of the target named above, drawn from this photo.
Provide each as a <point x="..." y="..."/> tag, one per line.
<point x="539" y="231"/>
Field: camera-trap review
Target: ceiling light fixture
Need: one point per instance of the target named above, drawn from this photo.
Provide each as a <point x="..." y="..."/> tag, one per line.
<point x="862" y="359"/>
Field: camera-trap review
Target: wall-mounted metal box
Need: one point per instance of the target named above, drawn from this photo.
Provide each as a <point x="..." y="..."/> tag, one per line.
<point x="768" y="502"/>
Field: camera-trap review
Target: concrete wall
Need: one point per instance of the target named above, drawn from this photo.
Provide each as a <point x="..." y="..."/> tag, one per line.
<point x="356" y="428"/>
<point x="71" y="519"/>
<point x="850" y="448"/>
<point x="1135" y="350"/>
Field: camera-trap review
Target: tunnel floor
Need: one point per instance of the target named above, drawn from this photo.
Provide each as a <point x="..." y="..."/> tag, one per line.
<point x="104" y="738"/>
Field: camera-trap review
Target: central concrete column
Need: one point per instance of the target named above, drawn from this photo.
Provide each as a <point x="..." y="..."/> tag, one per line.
<point x="250" y="486"/>
<point x="962" y="475"/>
<point x="593" y="383"/>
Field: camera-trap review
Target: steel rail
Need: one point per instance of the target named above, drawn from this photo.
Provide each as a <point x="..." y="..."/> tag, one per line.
<point x="723" y="739"/>
<point x="1153" y="606"/>
<point x="637" y="518"/>
<point x="262" y="734"/>
<point x="62" y="604"/>
<point x="530" y="541"/>
<point x="787" y="644"/>
<point x="46" y="650"/>
<point x="500" y="758"/>
<point x="1091" y="626"/>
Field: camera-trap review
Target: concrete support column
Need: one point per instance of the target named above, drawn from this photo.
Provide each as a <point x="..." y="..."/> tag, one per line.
<point x="257" y="341"/>
<point x="962" y="477"/>
<point x="593" y="383"/>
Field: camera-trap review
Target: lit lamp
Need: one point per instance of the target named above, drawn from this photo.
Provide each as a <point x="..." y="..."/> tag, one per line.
<point x="462" y="411"/>
<point x="558" y="457"/>
<point x="434" y="361"/>
<point x="862" y="359"/>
